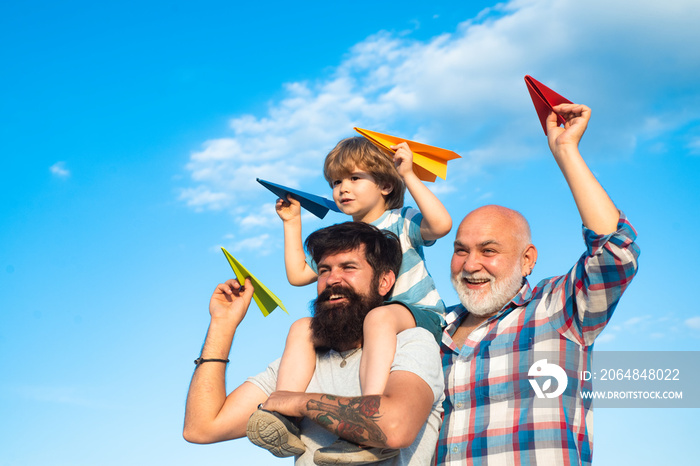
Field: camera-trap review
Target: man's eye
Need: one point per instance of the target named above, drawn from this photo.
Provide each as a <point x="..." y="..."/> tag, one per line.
<point x="460" y="252"/>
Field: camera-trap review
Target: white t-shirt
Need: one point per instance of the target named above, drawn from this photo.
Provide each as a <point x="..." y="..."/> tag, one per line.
<point x="416" y="352"/>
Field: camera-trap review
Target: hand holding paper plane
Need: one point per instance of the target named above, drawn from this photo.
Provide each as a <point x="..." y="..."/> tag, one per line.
<point x="544" y="99"/>
<point x="429" y="162"/>
<point x="317" y="205"/>
<point x="266" y="299"/>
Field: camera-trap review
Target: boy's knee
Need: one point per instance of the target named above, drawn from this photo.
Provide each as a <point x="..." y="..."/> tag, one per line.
<point x="390" y="315"/>
<point x="301" y="326"/>
<point x="379" y="315"/>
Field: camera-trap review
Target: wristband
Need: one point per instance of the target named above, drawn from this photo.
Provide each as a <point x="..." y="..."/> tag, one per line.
<point x="201" y="360"/>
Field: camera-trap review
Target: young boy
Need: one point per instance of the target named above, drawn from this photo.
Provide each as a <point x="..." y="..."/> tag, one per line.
<point x="370" y="188"/>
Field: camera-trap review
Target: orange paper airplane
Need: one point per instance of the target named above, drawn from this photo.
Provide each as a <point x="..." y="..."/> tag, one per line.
<point x="544" y="99"/>
<point x="428" y="161"/>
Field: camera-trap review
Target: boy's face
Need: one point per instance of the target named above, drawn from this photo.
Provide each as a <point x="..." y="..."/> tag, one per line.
<point x="357" y="194"/>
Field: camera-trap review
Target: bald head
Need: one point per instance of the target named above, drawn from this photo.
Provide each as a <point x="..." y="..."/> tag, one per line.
<point x="499" y="218"/>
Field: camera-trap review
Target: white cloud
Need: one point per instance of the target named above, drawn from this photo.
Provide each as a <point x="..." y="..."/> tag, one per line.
<point x="694" y="146"/>
<point x="464" y="90"/>
<point x="605" y="338"/>
<point x="693" y="322"/>
<point x="261" y="244"/>
<point x="66" y="395"/>
<point x="59" y="169"/>
<point x="201" y="196"/>
<point x="636" y="321"/>
<point x="264" y="218"/>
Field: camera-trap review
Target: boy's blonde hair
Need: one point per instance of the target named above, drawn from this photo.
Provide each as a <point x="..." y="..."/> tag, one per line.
<point x="359" y="153"/>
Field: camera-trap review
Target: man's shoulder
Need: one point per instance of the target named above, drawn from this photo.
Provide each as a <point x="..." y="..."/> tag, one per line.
<point x="418" y="352"/>
<point x="415" y="336"/>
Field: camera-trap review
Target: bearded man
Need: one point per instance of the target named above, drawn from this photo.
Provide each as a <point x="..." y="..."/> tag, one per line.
<point x="357" y="266"/>
<point x="505" y="335"/>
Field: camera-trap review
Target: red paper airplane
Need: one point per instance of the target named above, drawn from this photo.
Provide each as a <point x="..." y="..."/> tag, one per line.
<point x="544" y="99"/>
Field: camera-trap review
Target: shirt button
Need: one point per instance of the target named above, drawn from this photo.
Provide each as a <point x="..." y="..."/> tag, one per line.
<point x="459" y="405"/>
<point x="455" y="449"/>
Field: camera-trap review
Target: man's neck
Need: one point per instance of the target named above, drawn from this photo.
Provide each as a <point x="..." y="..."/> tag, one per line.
<point x="354" y="346"/>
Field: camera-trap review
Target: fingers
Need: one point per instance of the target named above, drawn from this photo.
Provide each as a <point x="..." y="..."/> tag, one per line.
<point x="282" y="203"/>
<point x="245" y="293"/>
<point x="403" y="158"/>
<point x="571" y="111"/>
<point x="552" y="122"/>
<point x="232" y="288"/>
<point x="401" y="145"/>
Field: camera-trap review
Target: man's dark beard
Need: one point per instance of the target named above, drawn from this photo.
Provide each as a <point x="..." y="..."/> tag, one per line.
<point x="339" y="326"/>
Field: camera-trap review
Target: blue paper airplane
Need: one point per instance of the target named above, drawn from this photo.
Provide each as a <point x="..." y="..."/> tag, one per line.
<point x="317" y="205"/>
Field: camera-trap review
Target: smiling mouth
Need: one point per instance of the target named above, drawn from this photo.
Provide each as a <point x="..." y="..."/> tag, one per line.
<point x="476" y="281"/>
<point x="336" y="297"/>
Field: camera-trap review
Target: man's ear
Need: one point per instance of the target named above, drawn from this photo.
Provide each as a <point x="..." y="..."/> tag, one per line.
<point x="386" y="282"/>
<point x="528" y="259"/>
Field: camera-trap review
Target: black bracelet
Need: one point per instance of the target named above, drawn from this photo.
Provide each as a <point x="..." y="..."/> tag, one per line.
<point x="201" y="360"/>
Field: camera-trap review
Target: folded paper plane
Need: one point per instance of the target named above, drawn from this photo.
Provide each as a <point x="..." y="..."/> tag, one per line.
<point x="266" y="299"/>
<point x="317" y="205"/>
<point x="428" y="161"/>
<point x="544" y="99"/>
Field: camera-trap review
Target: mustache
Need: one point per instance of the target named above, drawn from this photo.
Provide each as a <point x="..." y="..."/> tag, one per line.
<point x="475" y="276"/>
<point x="337" y="290"/>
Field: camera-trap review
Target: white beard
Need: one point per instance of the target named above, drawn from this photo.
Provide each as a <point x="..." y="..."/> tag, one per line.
<point x="489" y="301"/>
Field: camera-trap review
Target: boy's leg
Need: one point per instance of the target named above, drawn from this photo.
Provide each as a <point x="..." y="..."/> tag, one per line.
<point x="381" y="326"/>
<point x="299" y="358"/>
<point x="273" y="431"/>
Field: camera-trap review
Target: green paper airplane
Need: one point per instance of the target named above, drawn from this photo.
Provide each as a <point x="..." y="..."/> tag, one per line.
<point x="266" y="299"/>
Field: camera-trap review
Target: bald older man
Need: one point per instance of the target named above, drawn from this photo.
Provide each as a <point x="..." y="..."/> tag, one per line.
<point x="505" y="335"/>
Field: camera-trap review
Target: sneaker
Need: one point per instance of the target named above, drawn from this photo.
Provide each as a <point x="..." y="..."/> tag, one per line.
<point x="276" y="433"/>
<point x="344" y="452"/>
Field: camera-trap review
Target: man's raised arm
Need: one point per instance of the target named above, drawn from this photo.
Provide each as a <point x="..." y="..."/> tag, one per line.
<point x="597" y="210"/>
<point x="211" y="416"/>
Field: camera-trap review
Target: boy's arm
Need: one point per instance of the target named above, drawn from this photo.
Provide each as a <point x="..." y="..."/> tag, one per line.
<point x="299" y="273"/>
<point x="436" y="220"/>
<point x="597" y="210"/>
<point x="210" y="415"/>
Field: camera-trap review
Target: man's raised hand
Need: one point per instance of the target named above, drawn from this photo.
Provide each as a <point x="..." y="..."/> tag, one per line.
<point x="576" y="116"/>
<point x="231" y="300"/>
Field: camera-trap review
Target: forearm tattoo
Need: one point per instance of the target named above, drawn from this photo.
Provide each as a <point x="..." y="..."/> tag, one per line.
<point x="354" y="419"/>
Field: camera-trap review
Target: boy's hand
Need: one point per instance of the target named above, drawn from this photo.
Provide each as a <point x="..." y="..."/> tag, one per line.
<point x="403" y="159"/>
<point x="289" y="209"/>
<point x="231" y="300"/>
<point x="287" y="403"/>
<point x="577" y="117"/>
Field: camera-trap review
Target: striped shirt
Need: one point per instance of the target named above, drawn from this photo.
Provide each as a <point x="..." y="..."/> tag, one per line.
<point x="414" y="285"/>
<point x="492" y="415"/>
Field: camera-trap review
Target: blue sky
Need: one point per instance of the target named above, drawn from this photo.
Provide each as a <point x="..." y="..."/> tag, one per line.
<point x="132" y="133"/>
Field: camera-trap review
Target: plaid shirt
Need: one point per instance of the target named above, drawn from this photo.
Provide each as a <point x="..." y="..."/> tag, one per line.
<point x="492" y="415"/>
